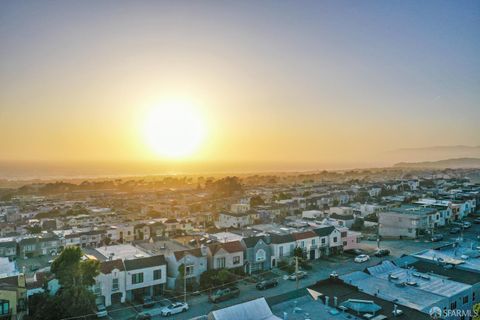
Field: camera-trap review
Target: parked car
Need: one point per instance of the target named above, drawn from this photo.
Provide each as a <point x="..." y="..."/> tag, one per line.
<point x="382" y="253"/>
<point x="174" y="308"/>
<point x="101" y="311"/>
<point x="148" y="302"/>
<point x="373" y="238"/>
<point x="436" y="237"/>
<point x="143" y="316"/>
<point x="354" y="252"/>
<point x="299" y="274"/>
<point x="362" y="258"/>
<point x="466" y="224"/>
<point x="224" y="294"/>
<point x="476" y="221"/>
<point x="455" y="230"/>
<point x="262" y="285"/>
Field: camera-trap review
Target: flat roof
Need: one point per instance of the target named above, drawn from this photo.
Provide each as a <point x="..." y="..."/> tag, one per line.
<point x="119" y="251"/>
<point x="450" y="254"/>
<point x="426" y="282"/>
<point x="413" y="209"/>
<point x="407" y="296"/>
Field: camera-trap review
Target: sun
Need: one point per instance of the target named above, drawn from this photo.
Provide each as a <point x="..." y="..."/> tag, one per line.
<point x="174" y="129"/>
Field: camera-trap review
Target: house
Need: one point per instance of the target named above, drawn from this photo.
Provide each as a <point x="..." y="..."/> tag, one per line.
<point x="38" y="245"/>
<point x="110" y="284"/>
<point x="341" y="220"/>
<point x="13" y="297"/>
<point x="350" y="239"/>
<point x="145" y="276"/>
<point x="257" y="254"/>
<point x="8" y="247"/>
<point x="312" y="214"/>
<point x="7" y="229"/>
<point x="141" y="231"/>
<point x="407" y="221"/>
<point x="232" y="220"/>
<point x="225" y="255"/>
<point x="324" y="233"/>
<point x="308" y="241"/>
<point x="195" y="262"/>
<point x="282" y="246"/>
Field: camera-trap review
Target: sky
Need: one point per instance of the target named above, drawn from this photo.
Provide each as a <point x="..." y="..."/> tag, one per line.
<point x="276" y="84"/>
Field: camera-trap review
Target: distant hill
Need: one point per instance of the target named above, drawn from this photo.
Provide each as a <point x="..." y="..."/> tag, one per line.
<point x="434" y="153"/>
<point x="442" y="164"/>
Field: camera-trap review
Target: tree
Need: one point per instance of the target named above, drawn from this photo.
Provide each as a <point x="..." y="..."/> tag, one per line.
<point x="35" y="229"/>
<point x="74" y="298"/>
<point x="256" y="201"/>
<point x="358" y="224"/>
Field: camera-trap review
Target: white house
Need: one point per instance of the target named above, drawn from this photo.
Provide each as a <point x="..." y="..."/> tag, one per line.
<point x="110" y="284"/>
<point x="145" y="277"/>
<point x="232" y="220"/>
<point x="195" y="262"/>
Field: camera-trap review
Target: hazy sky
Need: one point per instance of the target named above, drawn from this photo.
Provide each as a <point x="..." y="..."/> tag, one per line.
<point x="275" y="81"/>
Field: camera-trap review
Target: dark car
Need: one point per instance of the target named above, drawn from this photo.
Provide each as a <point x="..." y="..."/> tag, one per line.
<point x="436" y="237"/>
<point x="381" y="253"/>
<point x="143" y="316"/>
<point x="148" y="302"/>
<point x="476" y="221"/>
<point x="454" y="230"/>
<point x="262" y="285"/>
<point x="354" y="252"/>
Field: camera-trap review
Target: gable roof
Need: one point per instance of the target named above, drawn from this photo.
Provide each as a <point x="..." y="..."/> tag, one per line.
<point x="230" y="247"/>
<point x="148" y="262"/>
<point x="197" y="252"/>
<point x="106" y="267"/>
<point x="251" y="242"/>
<point x="281" y="238"/>
<point x="324" y="231"/>
<point x="304" y="235"/>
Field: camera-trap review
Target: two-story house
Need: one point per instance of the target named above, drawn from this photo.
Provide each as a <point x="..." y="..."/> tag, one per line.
<point x="194" y="261"/>
<point x="225" y="255"/>
<point x="145" y="277"/>
<point x="110" y="284"/>
<point x="257" y="254"/>
<point x="282" y="246"/>
<point x="308" y="241"/>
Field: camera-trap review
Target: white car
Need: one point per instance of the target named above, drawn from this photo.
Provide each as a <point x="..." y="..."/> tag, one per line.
<point x="362" y="258"/>
<point x="101" y="311"/>
<point x="466" y="224"/>
<point x="174" y="308"/>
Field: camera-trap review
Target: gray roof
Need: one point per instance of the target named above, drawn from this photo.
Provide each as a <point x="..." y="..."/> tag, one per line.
<point x="281" y="238"/>
<point x="325" y="231"/>
<point x="251" y="242"/>
<point x="148" y="262"/>
<point x="257" y="309"/>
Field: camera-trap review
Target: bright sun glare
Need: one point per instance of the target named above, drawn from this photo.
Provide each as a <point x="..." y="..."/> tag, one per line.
<point x="174" y="129"/>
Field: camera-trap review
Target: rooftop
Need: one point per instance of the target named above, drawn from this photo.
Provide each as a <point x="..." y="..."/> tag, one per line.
<point x="413" y="209"/>
<point x="119" y="251"/>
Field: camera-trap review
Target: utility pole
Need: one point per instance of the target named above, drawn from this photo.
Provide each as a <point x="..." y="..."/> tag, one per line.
<point x="296" y="270"/>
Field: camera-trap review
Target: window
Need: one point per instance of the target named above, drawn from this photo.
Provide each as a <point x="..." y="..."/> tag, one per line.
<point x="465" y="300"/>
<point x="302" y="244"/>
<point x="343" y="234"/>
<point x="114" y="284"/>
<point x="221" y="262"/>
<point x="313" y="242"/>
<point x="189" y="270"/>
<point x="453" y="305"/>
<point x="157" y="274"/>
<point x="137" y="278"/>
<point x="4" y="306"/>
<point x="324" y="240"/>
<point x="236" y="260"/>
<point x="280" y="251"/>
<point x="410" y="230"/>
<point x="473" y="296"/>
<point x="335" y="239"/>
<point x="344" y="243"/>
<point x="260" y="255"/>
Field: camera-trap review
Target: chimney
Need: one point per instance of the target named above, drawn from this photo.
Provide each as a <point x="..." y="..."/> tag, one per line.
<point x="285" y="316"/>
<point x="395" y="310"/>
<point x="335" y="301"/>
